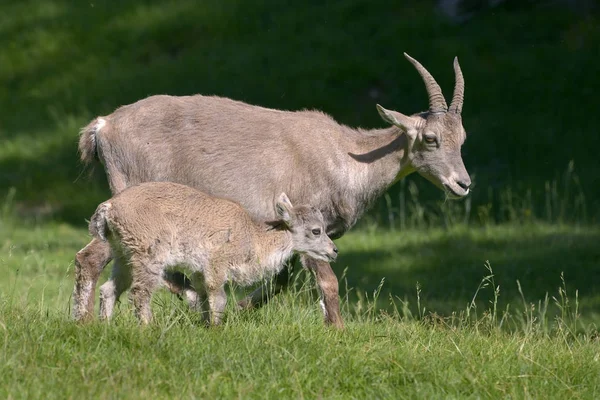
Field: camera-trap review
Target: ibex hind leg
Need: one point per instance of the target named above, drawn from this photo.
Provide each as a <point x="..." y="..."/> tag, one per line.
<point x="144" y="282"/>
<point x="179" y="284"/>
<point x="110" y="291"/>
<point x="91" y="260"/>
<point x="89" y="264"/>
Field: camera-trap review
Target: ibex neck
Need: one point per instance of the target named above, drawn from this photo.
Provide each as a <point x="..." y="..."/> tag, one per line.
<point x="379" y="158"/>
<point x="273" y="248"/>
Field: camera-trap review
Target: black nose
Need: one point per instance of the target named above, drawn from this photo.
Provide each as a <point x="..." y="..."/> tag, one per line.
<point x="463" y="184"/>
<point x="335" y="250"/>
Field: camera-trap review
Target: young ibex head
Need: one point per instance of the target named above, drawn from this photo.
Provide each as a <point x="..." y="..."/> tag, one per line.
<point x="436" y="136"/>
<point x="307" y="227"/>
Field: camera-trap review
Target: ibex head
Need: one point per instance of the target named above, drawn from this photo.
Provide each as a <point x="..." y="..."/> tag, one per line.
<point x="307" y="227"/>
<point x="436" y="136"/>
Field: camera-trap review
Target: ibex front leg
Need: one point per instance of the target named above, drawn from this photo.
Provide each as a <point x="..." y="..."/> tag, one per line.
<point x="215" y="276"/>
<point x="261" y="295"/>
<point x="328" y="286"/>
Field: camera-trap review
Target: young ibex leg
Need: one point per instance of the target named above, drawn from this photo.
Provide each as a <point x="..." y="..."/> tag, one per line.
<point x="265" y="291"/>
<point x="215" y="276"/>
<point x="200" y="304"/>
<point x="141" y="297"/>
<point x="217" y="300"/>
<point x="327" y="284"/>
<point x="144" y="283"/>
<point x="89" y="263"/>
<point x="112" y="289"/>
<point x="180" y="285"/>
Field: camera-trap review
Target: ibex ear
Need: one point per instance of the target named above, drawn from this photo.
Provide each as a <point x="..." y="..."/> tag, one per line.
<point x="284" y="207"/>
<point x="395" y="118"/>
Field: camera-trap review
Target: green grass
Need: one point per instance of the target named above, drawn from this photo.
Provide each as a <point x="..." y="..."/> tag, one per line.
<point x="288" y="355"/>
<point x="440" y="344"/>
<point x="445" y="303"/>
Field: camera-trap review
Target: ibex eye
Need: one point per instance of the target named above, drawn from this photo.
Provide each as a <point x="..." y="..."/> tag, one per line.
<point x="316" y="231"/>
<point x="430" y="139"/>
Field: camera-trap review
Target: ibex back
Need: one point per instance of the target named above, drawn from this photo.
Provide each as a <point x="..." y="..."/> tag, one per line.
<point x="157" y="226"/>
<point x="251" y="154"/>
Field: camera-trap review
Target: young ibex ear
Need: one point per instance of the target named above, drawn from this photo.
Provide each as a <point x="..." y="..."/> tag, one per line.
<point x="400" y="120"/>
<point x="283" y="206"/>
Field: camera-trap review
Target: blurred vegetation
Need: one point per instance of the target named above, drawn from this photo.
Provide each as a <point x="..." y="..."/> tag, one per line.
<point x="530" y="106"/>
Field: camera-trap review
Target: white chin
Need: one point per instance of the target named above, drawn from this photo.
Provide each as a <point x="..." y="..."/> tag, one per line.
<point x="318" y="257"/>
<point x="455" y="193"/>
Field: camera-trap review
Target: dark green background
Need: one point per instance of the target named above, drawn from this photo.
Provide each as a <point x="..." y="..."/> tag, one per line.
<point x="531" y="71"/>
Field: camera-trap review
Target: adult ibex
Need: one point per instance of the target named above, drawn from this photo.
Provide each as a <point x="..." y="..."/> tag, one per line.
<point x="157" y="226"/>
<point x="251" y="154"/>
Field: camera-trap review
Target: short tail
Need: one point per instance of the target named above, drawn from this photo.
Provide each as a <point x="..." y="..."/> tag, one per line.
<point x="98" y="223"/>
<point x="87" y="140"/>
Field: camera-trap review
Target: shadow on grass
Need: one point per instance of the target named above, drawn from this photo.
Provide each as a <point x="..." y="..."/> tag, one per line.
<point x="450" y="269"/>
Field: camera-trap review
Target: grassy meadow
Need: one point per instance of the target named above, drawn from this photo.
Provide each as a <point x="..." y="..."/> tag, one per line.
<point x="460" y="333"/>
<point x="497" y="296"/>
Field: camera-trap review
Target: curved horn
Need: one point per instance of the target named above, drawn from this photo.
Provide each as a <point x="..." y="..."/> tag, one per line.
<point x="459" y="89"/>
<point x="437" y="103"/>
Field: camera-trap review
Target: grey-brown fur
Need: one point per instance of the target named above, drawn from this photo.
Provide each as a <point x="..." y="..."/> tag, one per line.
<point x="250" y="154"/>
<point x="157" y="226"/>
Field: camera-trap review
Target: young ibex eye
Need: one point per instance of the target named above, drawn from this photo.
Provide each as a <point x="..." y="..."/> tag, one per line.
<point x="316" y="231"/>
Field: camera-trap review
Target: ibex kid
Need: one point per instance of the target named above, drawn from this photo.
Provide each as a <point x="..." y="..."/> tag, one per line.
<point x="157" y="226"/>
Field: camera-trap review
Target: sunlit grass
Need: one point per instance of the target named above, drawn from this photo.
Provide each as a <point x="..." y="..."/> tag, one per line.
<point x="465" y="337"/>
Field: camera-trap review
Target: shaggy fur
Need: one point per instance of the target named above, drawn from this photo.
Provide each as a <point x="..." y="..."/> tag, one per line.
<point x="158" y="226"/>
